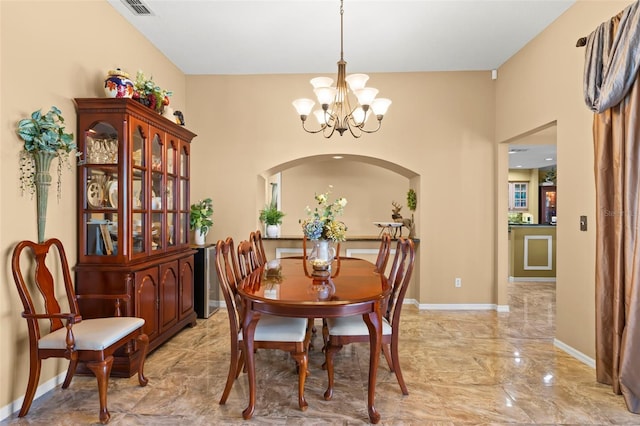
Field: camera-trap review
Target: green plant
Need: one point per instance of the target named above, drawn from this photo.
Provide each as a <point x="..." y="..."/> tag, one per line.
<point x="43" y="133"/>
<point x="550" y="175"/>
<point x="200" y="215"/>
<point x="271" y="215"/>
<point x="412" y="199"/>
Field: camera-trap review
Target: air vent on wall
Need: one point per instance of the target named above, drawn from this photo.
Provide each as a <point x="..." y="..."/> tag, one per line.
<point x="138" y="7"/>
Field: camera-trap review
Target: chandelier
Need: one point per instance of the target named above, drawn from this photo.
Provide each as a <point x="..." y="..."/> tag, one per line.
<point x="337" y="112"/>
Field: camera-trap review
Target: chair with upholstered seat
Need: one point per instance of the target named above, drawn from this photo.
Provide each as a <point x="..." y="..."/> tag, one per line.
<point x="341" y="331"/>
<point x="383" y="253"/>
<point x="271" y="332"/>
<point x="88" y="341"/>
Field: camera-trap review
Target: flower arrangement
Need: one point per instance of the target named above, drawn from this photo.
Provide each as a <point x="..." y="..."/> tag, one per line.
<point x="322" y="221"/>
<point x="148" y="93"/>
<point x="43" y="133"/>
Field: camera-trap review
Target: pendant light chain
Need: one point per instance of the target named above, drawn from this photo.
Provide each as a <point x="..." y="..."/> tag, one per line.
<point x="336" y="113"/>
<point x="342" y="30"/>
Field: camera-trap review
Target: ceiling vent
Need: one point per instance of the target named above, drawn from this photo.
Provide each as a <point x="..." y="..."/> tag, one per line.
<point x="138" y="7"/>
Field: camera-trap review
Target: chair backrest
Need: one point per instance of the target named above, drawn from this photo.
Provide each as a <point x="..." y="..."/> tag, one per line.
<point x="399" y="277"/>
<point x="229" y="278"/>
<point x="37" y="272"/>
<point x="258" y="247"/>
<point x="247" y="259"/>
<point x="383" y="253"/>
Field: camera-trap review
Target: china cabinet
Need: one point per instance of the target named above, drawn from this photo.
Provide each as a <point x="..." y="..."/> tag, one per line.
<point x="133" y="219"/>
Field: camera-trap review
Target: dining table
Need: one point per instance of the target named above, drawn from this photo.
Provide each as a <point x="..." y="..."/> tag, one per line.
<point x="289" y="287"/>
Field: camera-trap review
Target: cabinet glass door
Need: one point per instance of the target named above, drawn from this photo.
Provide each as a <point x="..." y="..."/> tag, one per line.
<point x="139" y="197"/>
<point x="184" y="195"/>
<point x="171" y="192"/>
<point x="100" y="200"/>
<point x="158" y="195"/>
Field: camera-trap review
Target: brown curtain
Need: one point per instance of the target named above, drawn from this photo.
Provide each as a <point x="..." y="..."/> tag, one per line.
<point x="612" y="90"/>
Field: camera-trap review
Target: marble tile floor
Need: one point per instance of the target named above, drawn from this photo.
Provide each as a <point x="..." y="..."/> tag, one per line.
<point x="461" y="368"/>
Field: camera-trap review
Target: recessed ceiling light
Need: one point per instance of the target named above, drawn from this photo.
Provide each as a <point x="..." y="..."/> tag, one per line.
<point x="512" y="151"/>
<point x="548" y="159"/>
<point x="519" y="166"/>
<point x="338" y="157"/>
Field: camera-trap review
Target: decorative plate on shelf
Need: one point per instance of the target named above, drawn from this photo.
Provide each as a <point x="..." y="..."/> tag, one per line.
<point x="95" y="194"/>
<point x="112" y="193"/>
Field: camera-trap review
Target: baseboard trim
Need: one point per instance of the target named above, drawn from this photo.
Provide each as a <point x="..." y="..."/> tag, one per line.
<point x="533" y="279"/>
<point x="14" y="406"/>
<point x="463" y="307"/>
<point x="574" y="353"/>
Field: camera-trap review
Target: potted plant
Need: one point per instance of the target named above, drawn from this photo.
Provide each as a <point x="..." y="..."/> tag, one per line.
<point x="200" y="219"/>
<point x="44" y="139"/>
<point x="272" y="217"/>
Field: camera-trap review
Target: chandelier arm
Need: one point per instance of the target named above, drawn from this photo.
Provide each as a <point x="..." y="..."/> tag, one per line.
<point x="324" y="133"/>
<point x="321" y="129"/>
<point x="371" y="130"/>
<point x="355" y="135"/>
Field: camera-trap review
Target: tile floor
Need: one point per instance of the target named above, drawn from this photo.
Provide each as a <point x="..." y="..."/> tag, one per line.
<point x="462" y="368"/>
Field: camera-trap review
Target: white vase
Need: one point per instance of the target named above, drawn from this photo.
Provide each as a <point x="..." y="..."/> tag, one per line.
<point x="272" y="231"/>
<point x="200" y="237"/>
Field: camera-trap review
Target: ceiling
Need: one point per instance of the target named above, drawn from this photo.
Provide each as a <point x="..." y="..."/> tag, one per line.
<point x="534" y="151"/>
<point x="303" y="36"/>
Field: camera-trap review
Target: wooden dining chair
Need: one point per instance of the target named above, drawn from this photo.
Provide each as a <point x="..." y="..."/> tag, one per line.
<point x="383" y="253"/>
<point x="271" y="332"/>
<point x="338" y="332"/>
<point x="88" y="341"/>
<point x="258" y="247"/>
<point x="247" y="258"/>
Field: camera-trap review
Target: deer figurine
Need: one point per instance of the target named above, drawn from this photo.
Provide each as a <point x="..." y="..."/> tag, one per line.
<point x="397" y="217"/>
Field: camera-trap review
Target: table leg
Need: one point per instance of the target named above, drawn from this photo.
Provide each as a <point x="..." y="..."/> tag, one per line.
<point x="374" y="324"/>
<point x="249" y="328"/>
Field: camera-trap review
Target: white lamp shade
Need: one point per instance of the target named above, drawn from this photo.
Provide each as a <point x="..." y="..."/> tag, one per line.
<point x="357" y="81"/>
<point x="321" y="82"/>
<point x="303" y="106"/>
<point x="359" y="116"/>
<point x="325" y="95"/>
<point x="320" y="116"/>
<point x="366" y="96"/>
<point x="380" y="106"/>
